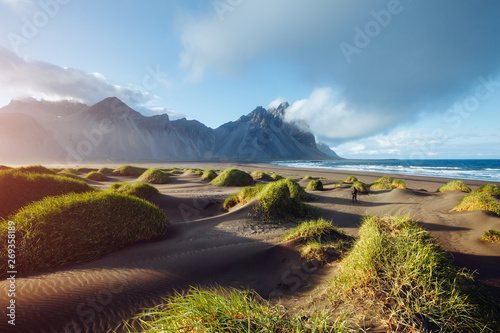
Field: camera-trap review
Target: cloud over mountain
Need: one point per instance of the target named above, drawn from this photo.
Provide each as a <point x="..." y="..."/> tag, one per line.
<point x="378" y="62"/>
<point x="31" y="78"/>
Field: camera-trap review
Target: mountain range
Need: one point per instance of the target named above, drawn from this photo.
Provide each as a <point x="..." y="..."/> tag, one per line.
<point x="43" y="131"/>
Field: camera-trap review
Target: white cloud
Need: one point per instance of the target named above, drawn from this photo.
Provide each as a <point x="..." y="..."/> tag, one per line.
<point x="398" y="72"/>
<point x="277" y="102"/>
<point x="31" y="78"/>
<point x="329" y="117"/>
<point x="18" y="5"/>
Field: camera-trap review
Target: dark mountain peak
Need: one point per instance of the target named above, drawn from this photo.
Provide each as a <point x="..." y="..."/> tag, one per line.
<point x="112" y="108"/>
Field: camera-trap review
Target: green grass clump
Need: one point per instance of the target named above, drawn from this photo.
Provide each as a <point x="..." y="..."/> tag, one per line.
<point x="129" y="171"/>
<point x="315" y="185"/>
<point x="155" y="176"/>
<point x="489" y="189"/>
<point x="40" y="169"/>
<point x="85" y="170"/>
<point x="320" y="240"/>
<point x="171" y="171"/>
<point x="320" y="229"/>
<point x="491" y="236"/>
<point x="69" y="175"/>
<point x="18" y="189"/>
<point x="105" y="171"/>
<point x="218" y="310"/>
<point x="73" y="228"/>
<point x="4" y="167"/>
<point x="397" y="264"/>
<point x="193" y="171"/>
<point x="275" y="176"/>
<point x="260" y="175"/>
<point x="454" y="185"/>
<point x="478" y="201"/>
<point x="381" y="186"/>
<point x="398" y="183"/>
<point x="312" y="250"/>
<point x="385" y="179"/>
<point x="276" y="201"/>
<point x="140" y="189"/>
<point x="70" y="170"/>
<point x="245" y="195"/>
<point x="233" y="177"/>
<point x="296" y="191"/>
<point x="307" y="177"/>
<point x="339" y="184"/>
<point x="360" y="186"/>
<point x="350" y="179"/>
<point x="96" y="176"/>
<point x="209" y="174"/>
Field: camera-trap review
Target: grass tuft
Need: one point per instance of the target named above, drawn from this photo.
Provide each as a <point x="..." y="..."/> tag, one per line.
<point x="382" y="186"/>
<point x="489" y="189"/>
<point x="385" y="179"/>
<point x="397" y="264"/>
<point x="209" y="174"/>
<point x="18" y="189"/>
<point x="350" y="179"/>
<point x="105" y="171"/>
<point x="193" y="171"/>
<point x="73" y="228"/>
<point x="275" y="176"/>
<point x="69" y="175"/>
<point x="398" y="183"/>
<point x="245" y="195"/>
<point x="70" y="170"/>
<point x="491" y="236"/>
<point x="39" y="169"/>
<point x="454" y="185"/>
<point x="312" y="250"/>
<point x="4" y="167"/>
<point x="478" y="201"/>
<point x="85" y="170"/>
<point x="282" y="200"/>
<point x="140" y="189"/>
<point x="319" y="229"/>
<point x="360" y="186"/>
<point x="315" y="185"/>
<point x="233" y="177"/>
<point x="129" y="171"/>
<point x="155" y="176"/>
<point x="306" y="177"/>
<point x="218" y="310"/>
<point x="96" y="176"/>
<point x="258" y="174"/>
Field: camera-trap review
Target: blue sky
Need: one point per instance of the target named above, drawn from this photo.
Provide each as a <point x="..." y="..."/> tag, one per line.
<point x="373" y="79"/>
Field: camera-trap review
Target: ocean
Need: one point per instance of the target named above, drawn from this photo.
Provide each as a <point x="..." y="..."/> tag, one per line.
<point x="488" y="170"/>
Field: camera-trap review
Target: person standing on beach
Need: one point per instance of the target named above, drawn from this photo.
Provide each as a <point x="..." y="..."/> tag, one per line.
<point x="354" y="194"/>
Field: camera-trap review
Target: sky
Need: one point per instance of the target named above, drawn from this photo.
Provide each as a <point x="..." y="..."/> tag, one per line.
<point x="372" y="79"/>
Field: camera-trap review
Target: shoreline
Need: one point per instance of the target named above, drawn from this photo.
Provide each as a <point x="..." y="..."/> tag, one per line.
<point x="252" y="166"/>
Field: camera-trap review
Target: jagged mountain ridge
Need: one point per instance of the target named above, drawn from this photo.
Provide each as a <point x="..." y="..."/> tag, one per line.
<point x="110" y="130"/>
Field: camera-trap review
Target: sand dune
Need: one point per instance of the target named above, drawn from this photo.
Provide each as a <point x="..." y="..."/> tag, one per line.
<point x="208" y="245"/>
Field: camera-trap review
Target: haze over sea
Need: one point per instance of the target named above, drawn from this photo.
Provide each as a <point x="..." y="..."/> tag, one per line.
<point x="488" y="170"/>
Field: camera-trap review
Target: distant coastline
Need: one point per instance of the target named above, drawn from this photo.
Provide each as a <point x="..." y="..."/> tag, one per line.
<point x="474" y="169"/>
